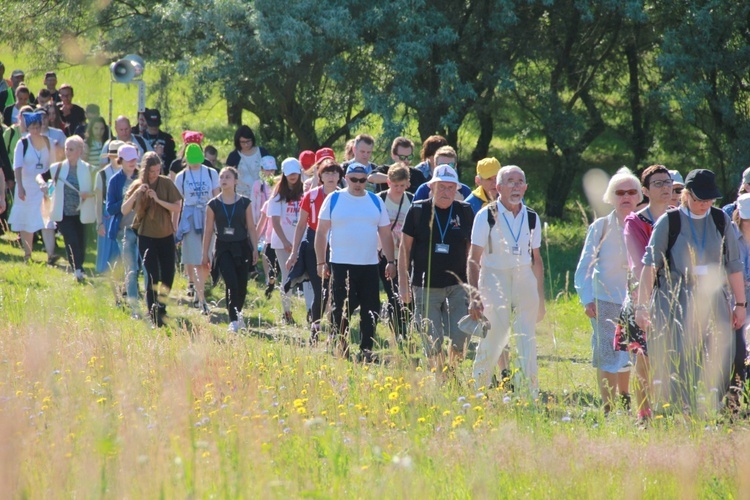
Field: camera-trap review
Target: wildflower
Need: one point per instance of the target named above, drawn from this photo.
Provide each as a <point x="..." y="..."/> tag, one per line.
<point x="421" y="420"/>
<point x="446" y="413"/>
<point x="394" y="410"/>
<point x="393" y="396"/>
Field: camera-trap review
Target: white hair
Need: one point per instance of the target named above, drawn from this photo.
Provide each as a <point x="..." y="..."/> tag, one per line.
<point x="622" y="176"/>
<point x="507" y="169"/>
<point x="75" y="139"/>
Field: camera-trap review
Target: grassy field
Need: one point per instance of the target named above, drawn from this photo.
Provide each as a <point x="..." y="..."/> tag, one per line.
<point x="94" y="404"/>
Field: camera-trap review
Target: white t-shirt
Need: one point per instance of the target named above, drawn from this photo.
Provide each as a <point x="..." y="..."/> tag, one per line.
<point x="197" y="186"/>
<point x="288" y="211"/>
<point x="399" y="216"/>
<point x="509" y="232"/>
<point x="354" y="227"/>
<point x="249" y="171"/>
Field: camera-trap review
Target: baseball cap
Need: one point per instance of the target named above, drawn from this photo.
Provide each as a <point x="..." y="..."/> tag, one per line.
<point x="50" y="74"/>
<point x="324" y="153"/>
<point x="702" y="183"/>
<point x="743" y="205"/>
<point x="444" y="173"/>
<point x="291" y="166"/>
<point x="676" y="178"/>
<point x="357" y="168"/>
<point x="17" y="72"/>
<point x="746" y="176"/>
<point x="153" y="117"/>
<point x="487" y="167"/>
<point x="127" y="152"/>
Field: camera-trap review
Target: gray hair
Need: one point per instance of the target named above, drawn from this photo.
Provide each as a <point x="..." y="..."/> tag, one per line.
<point x="621" y="176"/>
<point x="507" y="169"/>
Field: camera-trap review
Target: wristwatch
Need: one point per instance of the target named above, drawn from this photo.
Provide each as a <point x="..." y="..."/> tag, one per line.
<point x="741" y="304"/>
<point x="392" y="262"/>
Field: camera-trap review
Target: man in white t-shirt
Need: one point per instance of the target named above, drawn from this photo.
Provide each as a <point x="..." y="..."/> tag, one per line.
<point x="506" y="273"/>
<point x="355" y="219"/>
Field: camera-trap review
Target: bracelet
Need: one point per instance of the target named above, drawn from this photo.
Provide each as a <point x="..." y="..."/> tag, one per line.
<point x="741" y="304"/>
<point x="322" y="264"/>
<point x="392" y="262"/>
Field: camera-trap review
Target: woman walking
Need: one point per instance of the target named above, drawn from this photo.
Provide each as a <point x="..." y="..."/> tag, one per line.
<point x="156" y="202"/>
<point x="229" y="217"/>
<point x="601" y="279"/>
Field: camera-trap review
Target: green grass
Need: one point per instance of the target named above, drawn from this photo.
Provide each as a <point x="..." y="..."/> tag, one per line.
<point x="93" y="403"/>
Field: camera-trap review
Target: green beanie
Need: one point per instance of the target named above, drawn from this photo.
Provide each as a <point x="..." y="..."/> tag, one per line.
<point x="194" y="154"/>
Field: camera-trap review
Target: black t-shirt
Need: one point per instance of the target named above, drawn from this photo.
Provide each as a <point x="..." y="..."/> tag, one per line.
<point x="236" y="212"/>
<point x="416" y="179"/>
<point x="71" y="122"/>
<point x="445" y="269"/>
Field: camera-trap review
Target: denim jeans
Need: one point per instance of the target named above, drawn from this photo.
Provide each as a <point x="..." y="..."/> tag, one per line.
<point x="130" y="259"/>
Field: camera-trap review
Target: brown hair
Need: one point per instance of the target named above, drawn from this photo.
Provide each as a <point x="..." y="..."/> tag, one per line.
<point x="431" y="145"/>
<point x="398" y="172"/>
<point x="651" y="171"/>
<point x="232" y="171"/>
<point x="288" y="192"/>
<point x="329" y="165"/>
<point x="401" y="142"/>
<point x="446" y="151"/>
<point x="366" y="138"/>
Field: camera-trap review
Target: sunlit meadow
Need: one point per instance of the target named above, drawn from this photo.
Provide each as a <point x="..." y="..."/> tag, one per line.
<point x="93" y="403"/>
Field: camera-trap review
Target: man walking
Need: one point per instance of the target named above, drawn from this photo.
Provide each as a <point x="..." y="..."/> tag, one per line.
<point x="355" y="219"/>
<point x="435" y="242"/>
<point x="506" y="274"/>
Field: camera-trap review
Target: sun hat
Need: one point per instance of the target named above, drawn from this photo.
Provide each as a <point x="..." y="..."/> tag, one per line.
<point x="444" y="173"/>
<point x="702" y="183"/>
<point x="471" y="326"/>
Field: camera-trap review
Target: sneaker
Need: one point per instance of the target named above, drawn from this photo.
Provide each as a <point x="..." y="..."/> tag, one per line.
<point x="205" y="311"/>
<point x="190" y="290"/>
<point x="233" y="327"/>
<point x="52" y="260"/>
<point x="79" y="275"/>
<point x="269" y="289"/>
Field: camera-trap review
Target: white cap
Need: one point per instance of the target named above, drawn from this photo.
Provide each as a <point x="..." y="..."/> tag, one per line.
<point x="444" y="173"/>
<point x="743" y="205"/>
<point x="268" y="163"/>
<point x="676" y="177"/>
<point x="291" y="166"/>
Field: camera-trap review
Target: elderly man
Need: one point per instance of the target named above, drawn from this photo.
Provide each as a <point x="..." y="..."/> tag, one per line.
<point x="435" y="242"/>
<point x="486" y="180"/>
<point x="506" y="274"/>
<point x="124" y="133"/>
<point x="355" y="219"/>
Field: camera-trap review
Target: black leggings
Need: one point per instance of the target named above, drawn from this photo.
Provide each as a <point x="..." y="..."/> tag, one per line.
<point x="73" y="234"/>
<point x="158" y="264"/>
<point x="234" y="271"/>
<point x="320" y="287"/>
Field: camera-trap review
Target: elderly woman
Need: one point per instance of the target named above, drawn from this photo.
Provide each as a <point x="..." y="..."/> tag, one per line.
<point x="692" y="253"/>
<point x="156" y="202"/>
<point x="73" y="201"/>
<point x="601" y="283"/>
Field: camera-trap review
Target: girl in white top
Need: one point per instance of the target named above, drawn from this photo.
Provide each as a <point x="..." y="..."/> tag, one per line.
<point x="246" y="159"/>
<point x="283" y="209"/>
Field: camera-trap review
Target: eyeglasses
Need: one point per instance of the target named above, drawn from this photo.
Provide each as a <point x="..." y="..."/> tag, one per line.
<point x="405" y="157"/>
<point x="629" y="192"/>
<point x="661" y="184"/>
<point x="246" y="141"/>
<point x="515" y="184"/>
<point x="358" y="180"/>
<point x="677" y="190"/>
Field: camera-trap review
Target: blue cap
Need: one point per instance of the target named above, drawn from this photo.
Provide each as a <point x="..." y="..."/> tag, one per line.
<point x="357" y="168"/>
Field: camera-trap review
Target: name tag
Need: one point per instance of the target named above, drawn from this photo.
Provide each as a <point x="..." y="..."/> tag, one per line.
<point x="516" y="250"/>
<point x="442" y="248"/>
<point x="40" y="166"/>
<point x="700" y="270"/>
<point x="229" y="231"/>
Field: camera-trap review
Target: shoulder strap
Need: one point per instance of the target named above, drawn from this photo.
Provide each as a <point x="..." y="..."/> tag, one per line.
<point x="57" y="172"/>
<point x="334" y="199"/>
<point x="718" y="216"/>
<point x="675" y="225"/>
<point x="375" y="200"/>
<point x="25" y="142"/>
<point x="103" y="175"/>
<point x="491" y="214"/>
<point x="140" y="140"/>
<point x="10" y="138"/>
<point x="383" y="194"/>
<point x="532" y="218"/>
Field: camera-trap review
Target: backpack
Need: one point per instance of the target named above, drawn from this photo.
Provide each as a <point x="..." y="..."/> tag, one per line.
<point x="210" y="177"/>
<point x="675" y="226"/>
<point x="384" y="195"/>
<point x="335" y="198"/>
<point x="25" y="145"/>
<point x="531" y="216"/>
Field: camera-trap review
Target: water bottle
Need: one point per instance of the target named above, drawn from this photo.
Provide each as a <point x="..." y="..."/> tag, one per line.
<point x="50" y="188"/>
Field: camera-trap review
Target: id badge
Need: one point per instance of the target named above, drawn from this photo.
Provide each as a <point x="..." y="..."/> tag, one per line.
<point x="229" y="231"/>
<point x="442" y="248"/>
<point x="700" y="270"/>
<point x="40" y="166"/>
<point x="516" y="250"/>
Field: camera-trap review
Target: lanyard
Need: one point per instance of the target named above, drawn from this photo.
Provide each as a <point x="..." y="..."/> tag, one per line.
<point x="650" y="217"/>
<point x="447" y="223"/>
<point x="398" y="212"/>
<point x="197" y="187"/>
<point x="234" y="207"/>
<point x="702" y="247"/>
<point x="520" y="228"/>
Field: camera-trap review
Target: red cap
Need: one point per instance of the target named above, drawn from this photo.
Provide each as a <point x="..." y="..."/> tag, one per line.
<point x="189" y="136"/>
<point x="324" y="153"/>
<point x="307" y="159"/>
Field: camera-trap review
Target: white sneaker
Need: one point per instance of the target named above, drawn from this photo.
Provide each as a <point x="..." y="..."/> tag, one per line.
<point x="79" y="275"/>
<point x="233" y="327"/>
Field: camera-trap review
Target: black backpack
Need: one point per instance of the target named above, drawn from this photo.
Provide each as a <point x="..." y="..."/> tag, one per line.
<point x="492" y="215"/>
<point x="675" y="226"/>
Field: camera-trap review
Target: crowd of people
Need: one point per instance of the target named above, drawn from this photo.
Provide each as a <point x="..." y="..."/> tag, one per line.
<point x="663" y="277"/>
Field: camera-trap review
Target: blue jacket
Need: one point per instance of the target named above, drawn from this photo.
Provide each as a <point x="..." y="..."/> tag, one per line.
<point x="115" y="200"/>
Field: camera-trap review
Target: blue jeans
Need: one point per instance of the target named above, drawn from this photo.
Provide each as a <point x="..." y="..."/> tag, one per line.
<point x="131" y="260"/>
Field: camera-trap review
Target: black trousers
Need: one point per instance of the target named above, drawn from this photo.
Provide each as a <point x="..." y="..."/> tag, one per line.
<point x="235" y="272"/>
<point x="74" y="235"/>
<point x="351" y="285"/>
<point x="158" y="264"/>
<point x="319" y="286"/>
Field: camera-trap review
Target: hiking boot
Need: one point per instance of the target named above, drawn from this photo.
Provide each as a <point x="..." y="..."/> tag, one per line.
<point x="269" y="289"/>
<point x="205" y="311"/>
<point x="288" y="319"/>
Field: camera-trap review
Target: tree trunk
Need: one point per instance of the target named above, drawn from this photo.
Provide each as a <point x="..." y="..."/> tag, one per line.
<point x="639" y="141"/>
<point x="234" y="113"/>
<point x="565" y="168"/>
<point x="486" y="129"/>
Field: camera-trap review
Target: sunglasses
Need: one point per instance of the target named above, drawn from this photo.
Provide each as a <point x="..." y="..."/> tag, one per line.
<point x="358" y="180"/>
<point x="404" y="157"/>
<point x="677" y="190"/>
<point x="629" y="192"/>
